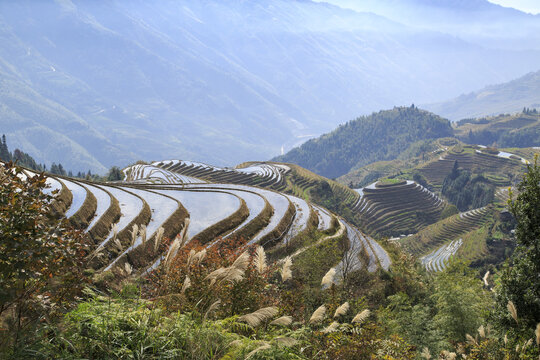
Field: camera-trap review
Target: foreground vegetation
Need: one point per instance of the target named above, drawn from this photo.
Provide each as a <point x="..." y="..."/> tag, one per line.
<point x="231" y="302"/>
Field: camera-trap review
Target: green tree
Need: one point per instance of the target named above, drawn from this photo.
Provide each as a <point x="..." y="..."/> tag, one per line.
<point x="115" y="174"/>
<point x="460" y="301"/>
<point x="40" y="258"/>
<point x="520" y="282"/>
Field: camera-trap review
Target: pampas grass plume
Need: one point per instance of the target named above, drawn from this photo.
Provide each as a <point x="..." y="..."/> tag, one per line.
<point x="171" y="253"/>
<point x="286" y="273"/>
<point x="318" y="315"/>
<point x="118" y="244"/>
<point x="331" y="328"/>
<point x="134" y="233"/>
<point x="285" y="341"/>
<point x="260" y="260"/>
<point x="158" y="238"/>
<point x="241" y="262"/>
<point x="142" y="233"/>
<point x="512" y="310"/>
<point x="265" y="346"/>
<point x="342" y="310"/>
<point x="485" y="279"/>
<point x="199" y="257"/>
<point x="258" y="317"/>
<point x="482" y="331"/>
<point x="212" y="308"/>
<point x="361" y="316"/>
<point x="426" y="354"/>
<point x="128" y="268"/>
<point x="328" y="279"/>
<point x="186" y="285"/>
<point x="191" y="255"/>
<point x="282" y="321"/>
<point x="537" y="333"/>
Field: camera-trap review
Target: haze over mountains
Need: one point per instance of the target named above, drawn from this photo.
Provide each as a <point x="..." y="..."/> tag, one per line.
<point x="92" y="84"/>
<point x="508" y="97"/>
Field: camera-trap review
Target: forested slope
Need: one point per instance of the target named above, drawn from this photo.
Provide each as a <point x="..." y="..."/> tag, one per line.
<point x="380" y="136"/>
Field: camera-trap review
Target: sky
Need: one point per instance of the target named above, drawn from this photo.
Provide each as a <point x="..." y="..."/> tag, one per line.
<point x="530" y="6"/>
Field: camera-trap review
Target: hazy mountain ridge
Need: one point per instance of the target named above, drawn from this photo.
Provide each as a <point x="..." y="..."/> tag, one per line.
<point x="206" y="79"/>
<point x="507" y="97"/>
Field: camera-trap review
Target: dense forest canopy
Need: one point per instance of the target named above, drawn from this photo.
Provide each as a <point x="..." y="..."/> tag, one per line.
<point x="380" y="136"/>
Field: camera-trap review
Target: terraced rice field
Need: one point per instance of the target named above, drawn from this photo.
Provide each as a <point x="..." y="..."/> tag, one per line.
<point x="475" y="159"/>
<point x="438" y="259"/>
<point x="434" y="242"/>
<point x="153" y="174"/>
<point x="258" y="174"/>
<point x="396" y="209"/>
<point x="123" y="218"/>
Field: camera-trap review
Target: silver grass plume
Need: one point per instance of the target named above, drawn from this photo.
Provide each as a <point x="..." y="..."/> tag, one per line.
<point x="258" y="317"/>
<point x="537" y="333"/>
<point x="183" y="234"/>
<point x="134" y="233"/>
<point x="470" y="339"/>
<point x="235" y="343"/>
<point x="331" y="328"/>
<point x="328" y="279"/>
<point x="512" y="310"/>
<point x="186" y="285"/>
<point x="527" y="344"/>
<point x="286" y="273"/>
<point x="361" y="316"/>
<point x="485" y="279"/>
<point x="342" y="310"/>
<point x="505" y="339"/>
<point x="158" y="238"/>
<point x="285" y="341"/>
<point x="265" y="346"/>
<point x="426" y="354"/>
<point x="199" y="257"/>
<point x="260" y="259"/>
<point x="115" y="231"/>
<point x="242" y="262"/>
<point x="212" y="308"/>
<point x="191" y="255"/>
<point x="229" y="274"/>
<point x="128" y="268"/>
<point x="482" y="331"/>
<point x="118" y="244"/>
<point x="142" y="233"/>
<point x="171" y="253"/>
<point x="282" y="321"/>
<point x="318" y="315"/>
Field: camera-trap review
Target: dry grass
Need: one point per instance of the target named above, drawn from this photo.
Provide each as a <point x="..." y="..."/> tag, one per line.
<point x="282" y="321"/>
<point x="513" y="311"/>
<point x="361" y="316"/>
<point x="318" y="315"/>
<point x="331" y="328"/>
<point x="258" y="317"/>
<point x="286" y="272"/>
<point x="260" y="260"/>
<point x="328" y="279"/>
<point x="342" y="310"/>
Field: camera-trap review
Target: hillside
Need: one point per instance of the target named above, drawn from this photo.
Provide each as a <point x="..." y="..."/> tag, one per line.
<point x="509" y="97"/>
<point x="477" y="21"/>
<point x="102" y="81"/>
<point x="380" y="136"/>
<point x="517" y="130"/>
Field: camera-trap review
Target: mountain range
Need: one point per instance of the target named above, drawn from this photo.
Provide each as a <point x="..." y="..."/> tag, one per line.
<point x="93" y="84"/>
<point x="510" y="97"/>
